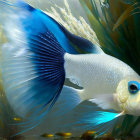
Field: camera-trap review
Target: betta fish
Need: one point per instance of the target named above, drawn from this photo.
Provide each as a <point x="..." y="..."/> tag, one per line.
<point x="40" y="54"/>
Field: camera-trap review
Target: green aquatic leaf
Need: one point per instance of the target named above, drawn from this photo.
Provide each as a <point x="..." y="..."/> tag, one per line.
<point x="98" y="27"/>
<point x="127" y="1"/>
<point x="123" y="17"/>
<point x="126" y="126"/>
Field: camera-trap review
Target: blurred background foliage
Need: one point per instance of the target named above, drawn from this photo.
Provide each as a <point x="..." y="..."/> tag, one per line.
<point x="112" y="24"/>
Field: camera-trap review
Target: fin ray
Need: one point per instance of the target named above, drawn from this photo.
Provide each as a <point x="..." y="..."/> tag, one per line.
<point x="92" y="117"/>
<point x="33" y="61"/>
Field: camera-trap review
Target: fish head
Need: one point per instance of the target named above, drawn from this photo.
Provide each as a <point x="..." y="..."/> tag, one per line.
<point x="128" y="96"/>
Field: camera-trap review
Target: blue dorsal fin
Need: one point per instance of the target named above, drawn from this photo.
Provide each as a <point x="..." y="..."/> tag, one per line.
<point x="82" y="45"/>
<point x="71" y="43"/>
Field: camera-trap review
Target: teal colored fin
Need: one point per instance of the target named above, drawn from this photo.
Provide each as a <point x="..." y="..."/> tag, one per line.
<point x="91" y="117"/>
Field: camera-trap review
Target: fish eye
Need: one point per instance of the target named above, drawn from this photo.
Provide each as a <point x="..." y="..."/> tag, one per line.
<point x="133" y="87"/>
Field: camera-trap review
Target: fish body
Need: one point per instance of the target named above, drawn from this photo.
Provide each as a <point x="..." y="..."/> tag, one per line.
<point x="97" y="73"/>
<point x="41" y="54"/>
<point x="101" y="75"/>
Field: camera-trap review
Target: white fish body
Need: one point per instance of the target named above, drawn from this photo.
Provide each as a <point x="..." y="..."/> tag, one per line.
<point x="97" y="73"/>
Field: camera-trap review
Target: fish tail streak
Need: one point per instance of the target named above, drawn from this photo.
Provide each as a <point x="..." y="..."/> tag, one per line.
<point x="32" y="63"/>
<point x="5" y="2"/>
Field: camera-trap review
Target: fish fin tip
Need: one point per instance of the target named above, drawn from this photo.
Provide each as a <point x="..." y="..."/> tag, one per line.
<point x="92" y="117"/>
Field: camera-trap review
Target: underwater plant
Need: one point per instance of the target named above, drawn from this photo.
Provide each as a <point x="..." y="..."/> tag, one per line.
<point x="77" y="26"/>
